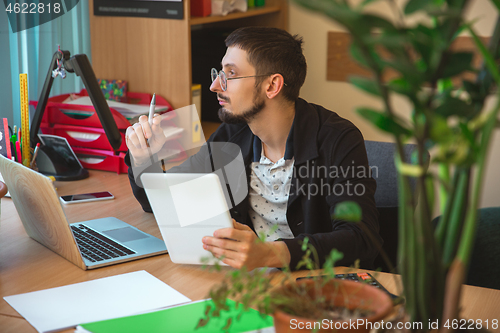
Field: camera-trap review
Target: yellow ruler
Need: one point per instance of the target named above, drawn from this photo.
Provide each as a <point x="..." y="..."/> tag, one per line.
<point x="25" y="120"/>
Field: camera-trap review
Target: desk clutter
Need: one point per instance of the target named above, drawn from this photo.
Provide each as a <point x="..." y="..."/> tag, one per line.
<point x="11" y="144"/>
<point x="15" y="142"/>
<point x="73" y="117"/>
<point x="101" y="299"/>
<point x="114" y="90"/>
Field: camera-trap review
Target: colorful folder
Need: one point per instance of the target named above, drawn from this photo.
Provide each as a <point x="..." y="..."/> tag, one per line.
<point x="180" y="319"/>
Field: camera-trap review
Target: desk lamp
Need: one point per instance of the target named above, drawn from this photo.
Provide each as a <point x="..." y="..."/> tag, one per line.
<point x="49" y="161"/>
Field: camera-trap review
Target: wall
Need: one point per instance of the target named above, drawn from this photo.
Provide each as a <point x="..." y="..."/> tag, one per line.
<point x="30" y="51"/>
<point x="5" y="83"/>
<point x="343" y="98"/>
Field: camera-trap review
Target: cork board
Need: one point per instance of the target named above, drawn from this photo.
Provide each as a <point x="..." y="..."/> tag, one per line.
<point x="340" y="65"/>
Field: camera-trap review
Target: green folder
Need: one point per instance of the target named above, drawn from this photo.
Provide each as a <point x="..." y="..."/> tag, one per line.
<point x="180" y="319"/>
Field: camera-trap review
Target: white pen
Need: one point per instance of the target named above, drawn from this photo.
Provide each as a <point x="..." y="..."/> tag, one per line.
<point x="151" y="114"/>
<point x="152" y="109"/>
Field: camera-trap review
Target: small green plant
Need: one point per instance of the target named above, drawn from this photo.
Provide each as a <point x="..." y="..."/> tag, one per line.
<point x="449" y="116"/>
<point x="257" y="289"/>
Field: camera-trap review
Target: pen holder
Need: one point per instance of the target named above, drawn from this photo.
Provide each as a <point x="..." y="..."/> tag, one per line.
<point x="51" y="162"/>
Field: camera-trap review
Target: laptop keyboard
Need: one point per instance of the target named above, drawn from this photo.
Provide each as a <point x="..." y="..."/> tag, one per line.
<point x="96" y="247"/>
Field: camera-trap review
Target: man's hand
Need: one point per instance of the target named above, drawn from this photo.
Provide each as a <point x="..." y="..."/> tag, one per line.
<point x="137" y="135"/>
<point x="240" y="247"/>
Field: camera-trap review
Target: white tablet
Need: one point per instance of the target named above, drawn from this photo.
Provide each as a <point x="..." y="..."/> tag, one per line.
<point x="187" y="207"/>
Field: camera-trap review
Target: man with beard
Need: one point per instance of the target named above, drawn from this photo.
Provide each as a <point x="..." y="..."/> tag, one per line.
<point x="290" y="149"/>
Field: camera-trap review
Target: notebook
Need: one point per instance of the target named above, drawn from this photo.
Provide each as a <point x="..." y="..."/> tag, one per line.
<point x="184" y="319"/>
<point x="44" y="220"/>
<point x="187" y="207"/>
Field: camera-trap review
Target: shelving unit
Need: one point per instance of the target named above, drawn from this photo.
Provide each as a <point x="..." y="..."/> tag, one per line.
<point x="154" y="55"/>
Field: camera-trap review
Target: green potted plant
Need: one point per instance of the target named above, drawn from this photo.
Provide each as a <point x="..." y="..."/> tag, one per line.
<point x="316" y="303"/>
<point x="449" y="117"/>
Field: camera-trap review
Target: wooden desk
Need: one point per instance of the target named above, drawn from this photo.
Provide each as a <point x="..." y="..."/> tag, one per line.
<point x="26" y="265"/>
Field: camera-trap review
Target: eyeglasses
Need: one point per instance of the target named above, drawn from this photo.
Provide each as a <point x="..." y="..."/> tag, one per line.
<point x="223" y="79"/>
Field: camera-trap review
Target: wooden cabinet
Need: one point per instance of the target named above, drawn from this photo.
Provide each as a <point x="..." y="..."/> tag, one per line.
<point x="154" y="55"/>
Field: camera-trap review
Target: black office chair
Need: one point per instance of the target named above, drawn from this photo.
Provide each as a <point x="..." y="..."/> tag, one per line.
<point x="381" y="161"/>
<point x="484" y="267"/>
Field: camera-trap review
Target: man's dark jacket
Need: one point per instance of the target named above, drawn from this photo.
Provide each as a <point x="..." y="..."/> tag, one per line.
<point x="330" y="167"/>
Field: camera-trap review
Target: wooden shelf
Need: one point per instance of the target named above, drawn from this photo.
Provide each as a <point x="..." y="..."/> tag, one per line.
<point x="234" y="16"/>
<point x="166" y="67"/>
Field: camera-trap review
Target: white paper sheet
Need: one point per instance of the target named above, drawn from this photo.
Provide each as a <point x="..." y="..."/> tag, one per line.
<point x="112" y="297"/>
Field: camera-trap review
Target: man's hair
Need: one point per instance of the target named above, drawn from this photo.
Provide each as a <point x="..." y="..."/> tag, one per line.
<point x="270" y="51"/>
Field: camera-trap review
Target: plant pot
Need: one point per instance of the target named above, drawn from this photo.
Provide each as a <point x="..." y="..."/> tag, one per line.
<point x="349" y="294"/>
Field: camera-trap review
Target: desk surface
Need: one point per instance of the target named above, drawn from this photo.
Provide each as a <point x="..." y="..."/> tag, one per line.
<point x="26" y="265"/>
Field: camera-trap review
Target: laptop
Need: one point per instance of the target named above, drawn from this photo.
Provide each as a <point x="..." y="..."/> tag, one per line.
<point x="89" y="244"/>
<point x="187" y="207"/>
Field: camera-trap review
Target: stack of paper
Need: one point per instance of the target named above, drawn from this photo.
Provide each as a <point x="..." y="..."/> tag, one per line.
<point x="111" y="297"/>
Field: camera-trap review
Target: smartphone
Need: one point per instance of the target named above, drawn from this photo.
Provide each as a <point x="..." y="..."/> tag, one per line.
<point x="86" y="197"/>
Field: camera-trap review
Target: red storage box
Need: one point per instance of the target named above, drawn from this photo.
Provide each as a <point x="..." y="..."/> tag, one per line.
<point x="106" y="160"/>
<point x="101" y="159"/>
<point x="57" y="112"/>
<point x="79" y="115"/>
<point x="80" y="136"/>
